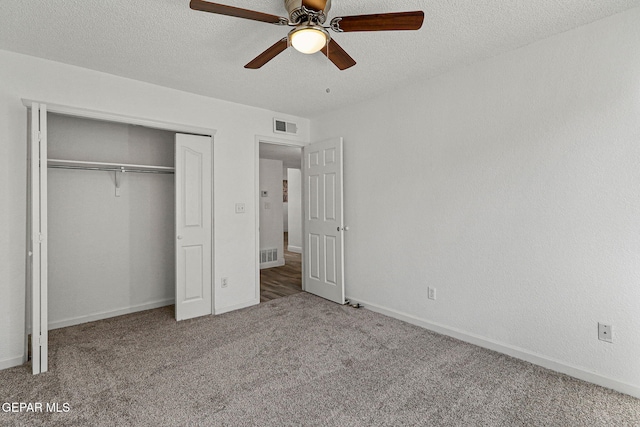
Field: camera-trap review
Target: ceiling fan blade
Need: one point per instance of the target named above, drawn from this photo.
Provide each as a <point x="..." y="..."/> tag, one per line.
<point x="222" y="9"/>
<point x="337" y="55"/>
<point x="266" y="56"/>
<point x="317" y="5"/>
<point x="379" y="22"/>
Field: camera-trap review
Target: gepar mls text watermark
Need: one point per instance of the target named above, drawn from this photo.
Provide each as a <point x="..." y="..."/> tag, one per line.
<point x="34" y="407"/>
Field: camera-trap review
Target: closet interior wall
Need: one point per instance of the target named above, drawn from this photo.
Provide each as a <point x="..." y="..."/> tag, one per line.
<point x="108" y="254"/>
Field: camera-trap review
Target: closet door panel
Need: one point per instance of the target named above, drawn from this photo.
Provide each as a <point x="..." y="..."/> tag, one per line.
<point x="192" y="188"/>
<point x="194" y="195"/>
<point x="194" y="283"/>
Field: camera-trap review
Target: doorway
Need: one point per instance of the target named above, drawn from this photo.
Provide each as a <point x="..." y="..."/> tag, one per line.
<point x="278" y="282"/>
<point x="280" y="220"/>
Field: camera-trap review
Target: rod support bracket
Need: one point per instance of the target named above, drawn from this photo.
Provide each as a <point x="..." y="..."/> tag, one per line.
<point x="118" y="178"/>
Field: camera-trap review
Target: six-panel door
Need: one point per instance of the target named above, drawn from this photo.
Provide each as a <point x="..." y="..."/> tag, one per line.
<point x="323" y="222"/>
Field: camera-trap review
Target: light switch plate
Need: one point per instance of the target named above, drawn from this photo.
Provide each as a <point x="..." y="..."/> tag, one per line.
<point x="239" y="208"/>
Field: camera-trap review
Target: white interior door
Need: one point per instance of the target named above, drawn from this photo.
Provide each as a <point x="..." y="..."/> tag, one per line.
<point x="37" y="272"/>
<point x="194" y="195"/>
<point x="323" y="220"/>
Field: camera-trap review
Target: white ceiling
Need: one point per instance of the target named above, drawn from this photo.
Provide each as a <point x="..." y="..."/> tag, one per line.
<point x="166" y="43"/>
<point x="291" y="156"/>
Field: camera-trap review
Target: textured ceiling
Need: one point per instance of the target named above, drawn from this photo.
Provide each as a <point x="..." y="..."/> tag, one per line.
<point x="166" y="43"/>
<point x="291" y="156"/>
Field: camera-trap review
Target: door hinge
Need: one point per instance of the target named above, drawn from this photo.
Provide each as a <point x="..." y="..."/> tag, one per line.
<point x="40" y="238"/>
<point x="39" y="136"/>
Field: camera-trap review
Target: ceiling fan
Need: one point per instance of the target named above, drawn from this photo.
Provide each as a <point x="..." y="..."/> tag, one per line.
<point x="309" y="35"/>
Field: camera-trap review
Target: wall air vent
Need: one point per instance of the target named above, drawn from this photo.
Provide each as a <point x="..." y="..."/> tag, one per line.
<point x="281" y="126"/>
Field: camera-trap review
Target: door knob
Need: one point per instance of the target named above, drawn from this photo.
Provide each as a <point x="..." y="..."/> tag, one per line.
<point x="179" y="237"/>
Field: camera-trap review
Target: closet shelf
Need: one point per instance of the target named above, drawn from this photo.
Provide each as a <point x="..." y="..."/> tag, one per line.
<point x="102" y="166"/>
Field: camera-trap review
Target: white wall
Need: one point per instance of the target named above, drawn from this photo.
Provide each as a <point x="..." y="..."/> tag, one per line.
<point x="234" y="171"/>
<point x="294" y="178"/>
<point x="513" y="187"/>
<point x="271" y="226"/>
<point x="109" y="255"/>
<point x="285" y="217"/>
<point x="285" y="205"/>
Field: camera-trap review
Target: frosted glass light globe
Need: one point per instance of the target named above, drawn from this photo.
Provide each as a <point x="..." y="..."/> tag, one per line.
<point x="308" y="40"/>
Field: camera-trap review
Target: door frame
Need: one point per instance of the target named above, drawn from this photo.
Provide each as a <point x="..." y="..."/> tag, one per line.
<point x="274" y="141"/>
<point x="117" y="118"/>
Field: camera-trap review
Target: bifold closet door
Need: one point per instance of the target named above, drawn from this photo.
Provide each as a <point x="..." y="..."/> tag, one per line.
<point x="194" y="196"/>
<point x="37" y="272"/>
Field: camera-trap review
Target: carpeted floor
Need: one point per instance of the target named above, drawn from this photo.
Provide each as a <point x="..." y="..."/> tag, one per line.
<point x="294" y="361"/>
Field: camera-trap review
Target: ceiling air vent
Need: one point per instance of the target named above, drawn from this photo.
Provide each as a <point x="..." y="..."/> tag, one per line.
<point x="280" y="126"/>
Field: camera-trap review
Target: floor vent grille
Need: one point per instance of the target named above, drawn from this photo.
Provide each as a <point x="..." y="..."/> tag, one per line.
<point x="268" y="255"/>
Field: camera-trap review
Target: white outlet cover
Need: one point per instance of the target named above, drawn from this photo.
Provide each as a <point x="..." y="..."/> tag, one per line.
<point x="605" y="332"/>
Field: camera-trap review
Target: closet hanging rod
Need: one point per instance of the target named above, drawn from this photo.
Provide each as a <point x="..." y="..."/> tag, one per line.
<point x="108" y="167"/>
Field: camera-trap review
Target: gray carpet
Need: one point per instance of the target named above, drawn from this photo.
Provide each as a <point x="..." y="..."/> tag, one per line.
<point x="295" y="361"/>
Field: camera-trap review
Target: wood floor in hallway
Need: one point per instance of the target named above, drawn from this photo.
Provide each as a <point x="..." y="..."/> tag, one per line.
<point x="278" y="282"/>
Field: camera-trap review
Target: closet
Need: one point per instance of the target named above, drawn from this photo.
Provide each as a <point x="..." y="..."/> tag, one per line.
<point x="110" y="219"/>
<point x="120" y="219"/>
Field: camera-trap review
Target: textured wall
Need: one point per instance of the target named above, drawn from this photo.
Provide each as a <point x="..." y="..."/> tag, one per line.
<point x="511" y="186"/>
<point x="295" y="209"/>
<point x="271" y="222"/>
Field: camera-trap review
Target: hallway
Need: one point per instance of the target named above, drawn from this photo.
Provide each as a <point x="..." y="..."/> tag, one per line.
<point x="278" y="282"/>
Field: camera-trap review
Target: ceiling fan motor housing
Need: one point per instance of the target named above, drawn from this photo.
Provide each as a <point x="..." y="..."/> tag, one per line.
<point x="299" y="14"/>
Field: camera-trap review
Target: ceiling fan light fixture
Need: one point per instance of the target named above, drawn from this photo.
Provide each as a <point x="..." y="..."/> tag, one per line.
<point x="308" y="39"/>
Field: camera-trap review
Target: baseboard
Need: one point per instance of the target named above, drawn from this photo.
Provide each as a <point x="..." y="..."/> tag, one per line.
<point x="278" y="263"/>
<point x="518" y="353"/>
<point x="10" y="363"/>
<point x="107" y="314"/>
<point x="296" y="249"/>
<point x="245" y="304"/>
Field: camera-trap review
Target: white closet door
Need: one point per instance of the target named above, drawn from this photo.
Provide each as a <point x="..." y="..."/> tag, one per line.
<point x="37" y="237"/>
<point x="323" y="253"/>
<point x="194" y="195"/>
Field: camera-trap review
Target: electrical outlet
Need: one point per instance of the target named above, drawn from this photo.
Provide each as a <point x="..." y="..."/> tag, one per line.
<point x="225" y="282"/>
<point x="605" y="332"/>
<point x="432" y="293"/>
<point x="239" y="207"/>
